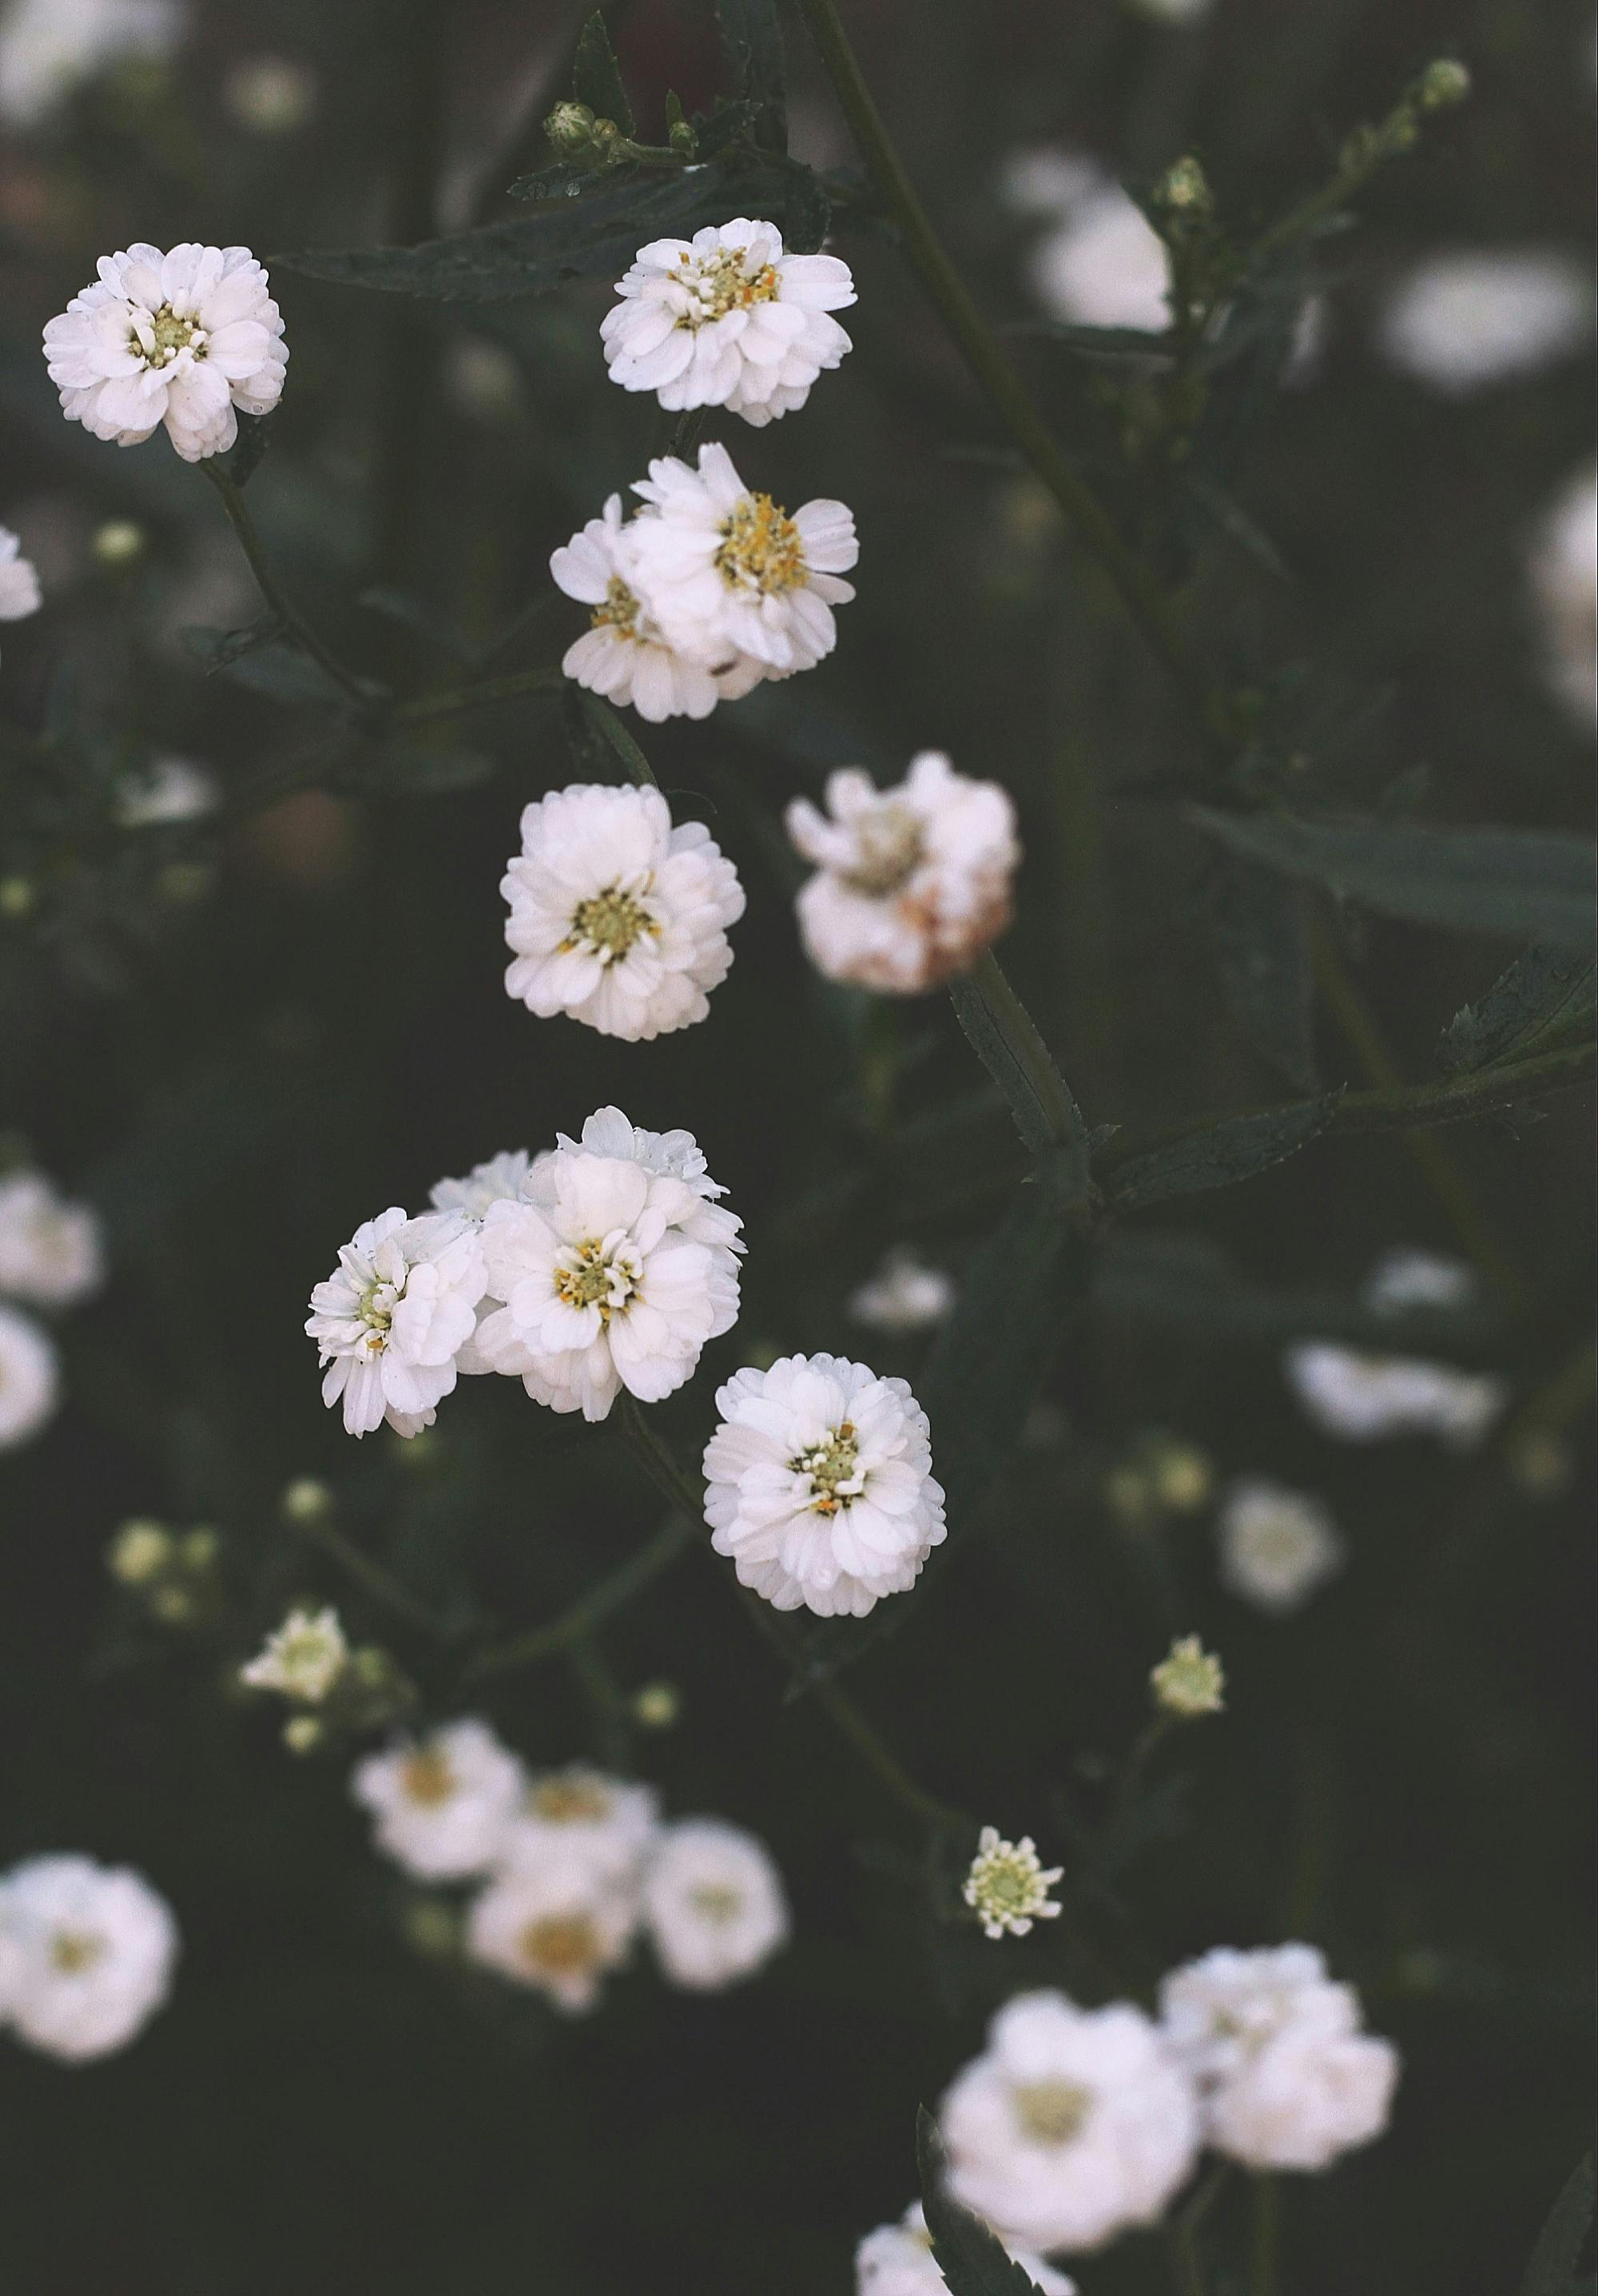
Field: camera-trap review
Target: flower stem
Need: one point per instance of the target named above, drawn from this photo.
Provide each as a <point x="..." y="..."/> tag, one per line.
<point x="294" y="623"/>
<point x="381" y="1583"/>
<point x="1187" y="2266"/>
<point x="458" y="699"/>
<point x="612" y="1593"/>
<point x="1267" y="2236"/>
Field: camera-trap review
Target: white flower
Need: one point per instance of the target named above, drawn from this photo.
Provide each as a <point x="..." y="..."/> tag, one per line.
<point x="713" y="1902"/>
<point x="903" y="1295"/>
<point x="442" y="1806"/>
<point x="617" y="917"/>
<point x="820" y="1485"/>
<point x="302" y="1659"/>
<point x="559" y="1927"/>
<point x="19" y="592"/>
<point x="912" y="883"/>
<point x="579" y="1816"/>
<point x="1276" y="1546"/>
<point x="1477" y="317"/>
<point x="1564" y="579"/>
<point x="170" y="790"/>
<point x="723" y="572"/>
<point x="896" y="2260"/>
<point x="1406" y="1278"/>
<point x="391" y="1319"/>
<point x="1008" y="1885"/>
<point x="49" y="47"/>
<point x="727" y="321"/>
<point x="271" y="96"/>
<point x="623" y="653"/>
<point x="183" y="337"/>
<point x="1189" y="1681"/>
<point x="1363" y="1398"/>
<point x="86" y="1955"/>
<point x="613" y="1267"/>
<point x="1286" y="2078"/>
<point x="1172" y="11"/>
<point x="1074" y="2123"/>
<point x="29" y="1379"/>
<point x="498" y="1180"/>
<point x="1103" y="265"/>
<point x="50" y="1250"/>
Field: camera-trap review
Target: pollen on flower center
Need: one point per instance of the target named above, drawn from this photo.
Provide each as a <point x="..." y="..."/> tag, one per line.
<point x="592" y="1278"/>
<point x="715" y="1902"/>
<point x="161" y="338"/>
<point x="561" y="1944"/>
<point x="833" y="1468"/>
<point x="376" y="1311"/>
<point x="568" y="1801"/>
<point x="1052" y="2112"/>
<point x="888" y="849"/>
<point x="619" y="610"/>
<point x="72" y="1951"/>
<point x="611" y="921"/>
<point x="721" y="285"/>
<point x="760" y="548"/>
<point x="426" y="1779"/>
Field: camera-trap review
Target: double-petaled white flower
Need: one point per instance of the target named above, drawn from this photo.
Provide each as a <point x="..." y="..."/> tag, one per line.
<point x="302" y="1659"/>
<point x="617" y="917"/>
<point x="713" y="1903"/>
<point x="1286" y="2078"/>
<point x="1480" y="315"/>
<point x="50" y="1248"/>
<point x="912" y="883"/>
<point x="1276" y="1546"/>
<point x="560" y="1926"/>
<point x="395" y="1313"/>
<point x="86" y="1955"/>
<point x="50" y="47"/>
<point x="614" y="1267"/>
<point x="1364" y="1397"/>
<point x="498" y="1179"/>
<point x="29" y="1379"/>
<point x="442" y="1803"/>
<point x="819" y="1485"/>
<point x="728" y="320"/>
<point x="183" y="337"/>
<point x="19" y="592"/>
<point x="1073" y="2125"/>
<point x="581" y="1816"/>
<point x="896" y="2260"/>
<point x="1563" y="568"/>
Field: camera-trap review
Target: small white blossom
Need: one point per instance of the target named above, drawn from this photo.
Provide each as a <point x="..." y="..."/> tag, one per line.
<point x="1363" y="1398"/>
<point x="1286" y="2078"/>
<point x="271" y="96"/>
<point x="729" y="320"/>
<point x="49" y="1250"/>
<point x="1406" y="1278"/>
<point x="141" y="1551"/>
<point x="560" y="1927"/>
<point x="497" y="1180"/>
<point x="896" y="2260"/>
<point x="1276" y="1546"/>
<point x="167" y="790"/>
<point x="1189" y="1681"/>
<point x="1008" y="1885"/>
<point x="579" y="1816"/>
<point x="912" y="883"/>
<point x="820" y="1485"/>
<point x="442" y="1804"/>
<point x="302" y="1659"/>
<point x="1563" y="569"/>
<point x="86" y="1955"/>
<point x="50" y="47"/>
<point x="903" y="1295"/>
<point x="1102" y="265"/>
<point x="724" y="572"/>
<point x="29" y="1379"/>
<point x="617" y="917"/>
<point x="19" y="592"/>
<point x="183" y="337"/>
<point x="1480" y="315"/>
<point x="1073" y="2125"/>
<point x="391" y="1319"/>
<point x="713" y="1903"/>
<point x="614" y="1268"/>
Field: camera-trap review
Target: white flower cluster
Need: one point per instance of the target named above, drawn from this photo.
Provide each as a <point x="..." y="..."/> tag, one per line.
<point x="574" y="1867"/>
<point x="1364" y="1397"/>
<point x="1476" y="316"/>
<point x="1276" y="1546"/>
<point x="19" y="592"/>
<point x="51" y="1259"/>
<point x="897" y="2259"/>
<point x="48" y="48"/>
<point x="87" y="1953"/>
<point x="1563" y="568"/>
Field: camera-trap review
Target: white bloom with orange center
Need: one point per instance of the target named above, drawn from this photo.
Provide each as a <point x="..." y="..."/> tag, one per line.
<point x="713" y="1902"/>
<point x="442" y="1803"/>
<point x="86" y="1955"/>
<point x="560" y="1927"/>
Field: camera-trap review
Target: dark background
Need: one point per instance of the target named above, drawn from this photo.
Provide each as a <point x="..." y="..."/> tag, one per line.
<point x="238" y="1071"/>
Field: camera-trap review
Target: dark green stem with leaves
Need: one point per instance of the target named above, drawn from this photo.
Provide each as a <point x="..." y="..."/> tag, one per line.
<point x="292" y="620"/>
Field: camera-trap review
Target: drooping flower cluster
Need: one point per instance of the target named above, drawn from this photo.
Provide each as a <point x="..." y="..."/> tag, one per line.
<point x="1364" y="1397"/>
<point x="1008" y="1885"/>
<point x="19" y="592"/>
<point x="1476" y="316"/>
<point x="87" y="1953"/>
<point x="897" y="2259"/>
<point x="1276" y="1546"/>
<point x="51" y="1258"/>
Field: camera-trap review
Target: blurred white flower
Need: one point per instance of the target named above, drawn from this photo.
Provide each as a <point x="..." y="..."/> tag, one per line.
<point x="820" y="1485"/>
<point x="559" y="1927"/>
<point x="613" y="1267"/>
<point x="498" y="1180"/>
<point x="617" y="917"/>
<point x="726" y="572"/>
<point x="302" y="1659"/>
<point x="1102" y="265"/>
<point x="1363" y="1398"/>
<point x="29" y="1379"/>
<point x="1479" y="315"/>
<point x="1286" y="2078"/>
<point x="1276" y="1546"/>
<point x="580" y="1816"/>
<point x="1071" y="2126"/>
<point x="19" y="592"/>
<point x="270" y="96"/>
<point x="1189" y="1682"/>
<point x="623" y="654"/>
<point x="1008" y="1885"/>
<point x="183" y="337"/>
<point x="1172" y="11"/>
<point x="1406" y="1278"/>
<point x="912" y="883"/>
<point x="50" y="47"/>
<point x="443" y="1803"/>
<point x="167" y="790"/>
<point x="729" y="320"/>
<point x="713" y="1903"/>
<point x="1563" y="569"/>
<point x="86" y="1955"/>
<point x="896" y="2260"/>
<point x="49" y="1250"/>
<point x="394" y="1314"/>
<point x="903" y="1295"/>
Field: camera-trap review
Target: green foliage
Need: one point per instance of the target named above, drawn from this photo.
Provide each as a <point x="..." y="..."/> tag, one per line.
<point x="1237" y="1149"/>
<point x="753" y="39"/>
<point x="972" y="2259"/>
<point x="1547" y="997"/>
<point x="1551" y="2271"/>
<point x="1267" y="974"/>
<point x="596" y="78"/>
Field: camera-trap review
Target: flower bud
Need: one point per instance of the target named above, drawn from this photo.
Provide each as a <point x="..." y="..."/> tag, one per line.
<point x="657" y="1705"/>
<point x="1443" y="84"/>
<point x="1188" y="1681"/>
<point x="197" y="1550"/>
<point x="303" y="1733"/>
<point x="1183" y="1476"/>
<point x="118" y="544"/>
<point x="570" y="130"/>
<point x="16" y="896"/>
<point x="140" y="1552"/>
<point x="306" y="1500"/>
<point x="1187" y="188"/>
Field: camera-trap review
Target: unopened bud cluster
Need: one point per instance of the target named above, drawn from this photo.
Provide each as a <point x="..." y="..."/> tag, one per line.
<point x="172" y="1574"/>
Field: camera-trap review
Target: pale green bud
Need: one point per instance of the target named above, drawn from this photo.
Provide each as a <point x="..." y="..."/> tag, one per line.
<point x="570" y="130"/>
<point x="1183" y="1476"/>
<point x="305" y="1500"/>
<point x="118" y="544"/>
<point x="1187" y="188"/>
<point x="1188" y="1681"/>
<point x="1443" y="83"/>
<point x="303" y="1733"/>
<point x="16" y="896"/>
<point x="657" y="1705"/>
<point x="140" y="1552"/>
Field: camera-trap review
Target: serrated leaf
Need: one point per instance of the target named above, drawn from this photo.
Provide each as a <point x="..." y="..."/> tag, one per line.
<point x="262" y="660"/>
<point x="968" y="2252"/>
<point x="1551" y="2271"/>
<point x="1266" y="975"/>
<point x="1034" y="1121"/>
<point x="568" y="179"/>
<point x="596" y="78"/>
<point x="724" y="124"/>
<point x="1229" y="1151"/>
<point x="753" y="39"/>
<point x="1547" y="997"/>
<point x="1536" y="884"/>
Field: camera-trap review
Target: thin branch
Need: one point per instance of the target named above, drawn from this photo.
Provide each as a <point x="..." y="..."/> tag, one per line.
<point x="607" y="1594"/>
<point x="381" y="1583"/>
<point x="429" y="707"/>
<point x="294" y="623"/>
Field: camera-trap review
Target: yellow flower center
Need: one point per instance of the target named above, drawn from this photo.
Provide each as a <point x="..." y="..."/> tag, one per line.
<point x="168" y="334"/>
<point x="586" y="1278"/>
<point x="560" y="1945"/>
<point x="611" y="922"/>
<point x="888" y="847"/>
<point x="760" y="548"/>
<point x="617" y="610"/>
<point x="71" y="1951"/>
<point x="427" y="1778"/>
<point x="568" y="1801"/>
<point x="720" y="285"/>
<point x="1052" y="2112"/>
<point x="830" y="1463"/>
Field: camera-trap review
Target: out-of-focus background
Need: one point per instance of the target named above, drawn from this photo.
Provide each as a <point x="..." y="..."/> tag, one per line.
<point x="238" y="1050"/>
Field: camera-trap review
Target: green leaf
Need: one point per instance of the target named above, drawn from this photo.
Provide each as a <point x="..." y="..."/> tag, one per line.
<point x="1548" y="997"/>
<point x="970" y="2255"/>
<point x="1551" y="2271"/>
<point x="1536" y="884"/>
<point x="426" y="769"/>
<point x="264" y="661"/>
<point x="1229" y="1151"/>
<point x="1267" y="976"/>
<point x="568" y="179"/>
<point x="596" y="80"/>
<point x="1035" y="1119"/>
<point x="614" y="735"/>
<point x="753" y="40"/>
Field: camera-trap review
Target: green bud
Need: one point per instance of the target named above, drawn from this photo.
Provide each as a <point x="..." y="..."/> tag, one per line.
<point x="140" y="1552"/>
<point x="303" y="1733"/>
<point x="305" y="1500"/>
<point x="1443" y="84"/>
<point x="1189" y="1681"/>
<point x="570" y="128"/>
<point x="1183" y="1476"/>
<point x="657" y="1705"/>
<point x="1186" y="189"/>
<point x="118" y="544"/>
<point x="16" y="896"/>
<point x="197" y="1550"/>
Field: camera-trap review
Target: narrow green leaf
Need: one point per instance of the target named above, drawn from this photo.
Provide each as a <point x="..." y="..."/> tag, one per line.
<point x="610" y="731"/>
<point x="1547" y="997"/>
<point x="1039" y="1099"/>
<point x="568" y="179"/>
<point x="1538" y="883"/>
<point x="1229" y="1151"/>
<point x="1551" y="2271"/>
<point x="264" y="661"/>
<point x="596" y="80"/>
<point x="1267" y="976"/>
<point x="970" y="2255"/>
<point x="753" y="40"/>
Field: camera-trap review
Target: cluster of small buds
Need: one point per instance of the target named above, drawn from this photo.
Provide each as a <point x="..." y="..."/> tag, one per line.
<point x="1189" y="1681"/>
<point x="338" y="1691"/>
<point x="1160" y="1475"/>
<point x="302" y="1659"/>
<point x="1008" y="1885"/>
<point x="174" y="1576"/>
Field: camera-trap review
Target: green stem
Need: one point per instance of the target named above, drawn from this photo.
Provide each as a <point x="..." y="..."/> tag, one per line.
<point x="1188" y="2265"/>
<point x="574" y="1625"/>
<point x="428" y="707"/>
<point x="1267" y="2236"/>
<point x="612" y="731"/>
<point x="381" y="1584"/>
<point x="294" y="623"/>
